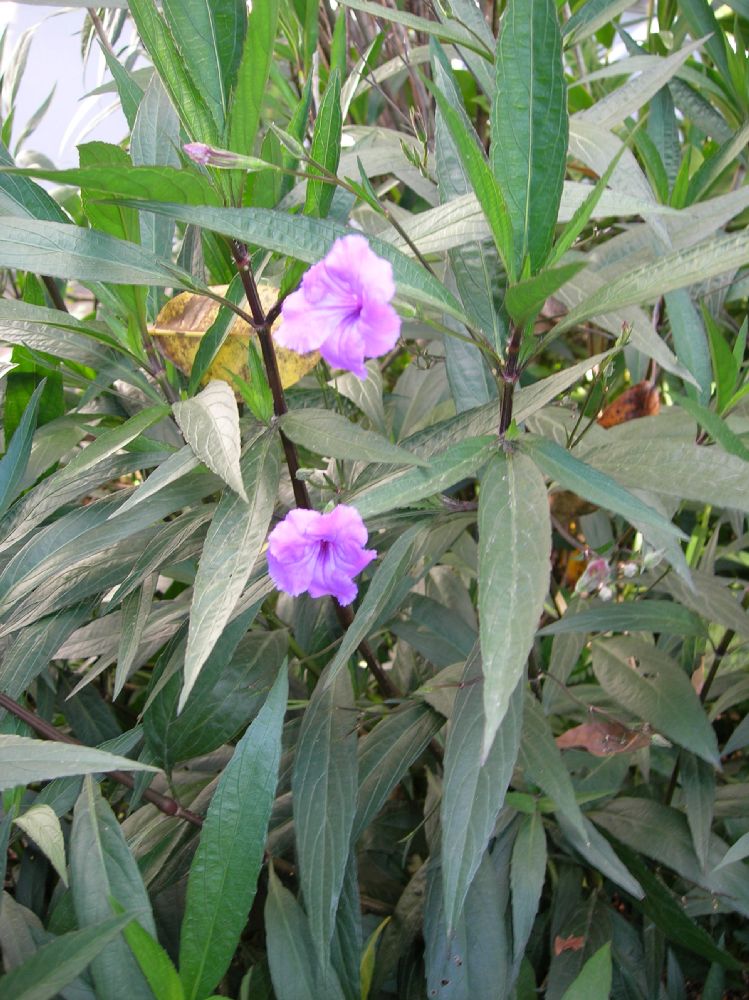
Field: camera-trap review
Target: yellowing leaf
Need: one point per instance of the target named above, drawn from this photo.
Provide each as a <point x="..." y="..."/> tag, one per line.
<point x="183" y="321"/>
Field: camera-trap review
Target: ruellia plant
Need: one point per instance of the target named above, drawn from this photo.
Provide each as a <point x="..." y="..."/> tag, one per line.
<point x="373" y="507"/>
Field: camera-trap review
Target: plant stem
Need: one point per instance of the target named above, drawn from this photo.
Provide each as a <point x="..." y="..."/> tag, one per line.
<point x="301" y="495"/>
<point x="510" y="374"/>
<point x="54" y="293"/>
<point x="162" y="802"/>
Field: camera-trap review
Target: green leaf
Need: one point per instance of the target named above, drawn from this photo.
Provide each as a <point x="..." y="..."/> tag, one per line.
<point x="682" y="470"/>
<point x="154" y="962"/>
<point x="210" y="425"/>
<point x="22" y="197"/>
<point x="225" y="869"/>
<point x="473" y="794"/>
<point x="294" y="968"/>
<point x="715" y="426"/>
<point x="527" y="876"/>
<point x="101" y="867"/>
<point x="541" y="760"/>
<point x="698" y="790"/>
<point x="58" y="963"/>
<point x="170" y="64"/>
<point x="324" y="795"/>
<point x="589" y="17"/>
<point x="34" y="646"/>
<point x="231" y="548"/>
<point x="473" y="958"/>
<point x="632" y="821"/>
<point x="14" y="461"/>
<point x="703" y="22"/>
<point x="524" y="300"/>
<point x="136" y="608"/>
<point x="161" y="183"/>
<point x="587" y="482"/>
<point x="598" y="852"/>
<point x="327" y="433"/>
<point x="594" y="981"/>
<point x="488" y="192"/>
<point x="631" y="616"/>
<point x="26" y="760"/>
<point x="670" y="271"/>
<point x="209" y="38"/>
<point x="514" y="554"/>
<point x="529" y="125"/>
<point x="404" y="489"/>
<point x="252" y="77"/>
<point x="307" y="240"/>
<point x="229" y="691"/>
<point x="648" y="683"/>
<point x="387" y="753"/>
<point x="690" y="339"/>
<point x="325" y="149"/>
<point x="64" y="251"/>
<point x="42" y="825"/>
<point x="666" y="910"/>
<point x="129" y="92"/>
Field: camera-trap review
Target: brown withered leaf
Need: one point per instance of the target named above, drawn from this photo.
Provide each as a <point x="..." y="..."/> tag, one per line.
<point x="571" y="943"/>
<point x="602" y="738"/>
<point x="641" y="400"/>
<point x="567" y="506"/>
<point x="180" y="326"/>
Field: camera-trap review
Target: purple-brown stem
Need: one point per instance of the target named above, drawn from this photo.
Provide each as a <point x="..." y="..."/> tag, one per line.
<point x="510" y="375"/>
<point x="162" y="802"/>
<point x="301" y="495"/>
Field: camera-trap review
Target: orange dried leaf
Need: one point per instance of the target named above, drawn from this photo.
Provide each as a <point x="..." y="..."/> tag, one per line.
<point x="641" y="400"/>
<point x="602" y="738"/>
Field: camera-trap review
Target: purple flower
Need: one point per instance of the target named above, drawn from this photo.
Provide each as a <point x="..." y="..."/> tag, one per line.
<point x="319" y="553"/>
<point x="342" y="308"/>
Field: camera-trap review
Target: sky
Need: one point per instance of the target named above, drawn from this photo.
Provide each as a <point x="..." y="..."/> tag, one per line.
<point x="55" y="58"/>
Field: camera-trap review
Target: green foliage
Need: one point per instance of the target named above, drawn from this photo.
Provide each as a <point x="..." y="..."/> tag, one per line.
<point x="518" y="762"/>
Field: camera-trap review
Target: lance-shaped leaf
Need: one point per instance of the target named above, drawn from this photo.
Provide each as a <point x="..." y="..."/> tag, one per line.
<point x="671" y="271"/>
<point x="473" y="794"/>
<point x="308" y="240"/>
<point x="327" y="433"/>
<point x="209" y="38"/>
<point x="65" y="251"/>
<point x="527" y="879"/>
<point x="187" y="98"/>
<point x="224" y="871"/>
<point x="42" y="825"/>
<point x="648" y="683"/>
<point x="101" y="868"/>
<point x="529" y="125"/>
<point x="252" y="77"/>
<point x="14" y="461"/>
<point x="210" y="425"/>
<point x="232" y="545"/>
<point x="324" y="792"/>
<point x="25" y="760"/>
<point x="514" y="554"/>
<point x="59" y="962"/>
<point x="294" y="968"/>
<point x="325" y="149"/>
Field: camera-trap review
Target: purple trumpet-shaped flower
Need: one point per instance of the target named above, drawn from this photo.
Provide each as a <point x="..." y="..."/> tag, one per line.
<point x="319" y="553"/>
<point x="342" y="308"/>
